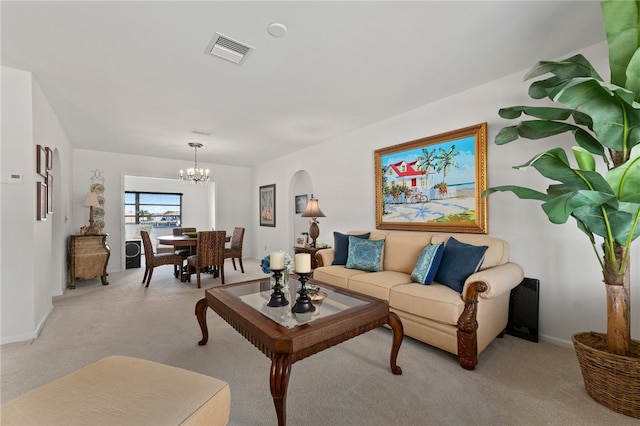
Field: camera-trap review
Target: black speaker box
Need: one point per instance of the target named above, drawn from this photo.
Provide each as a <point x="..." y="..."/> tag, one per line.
<point x="523" y="310"/>
<point x="133" y="248"/>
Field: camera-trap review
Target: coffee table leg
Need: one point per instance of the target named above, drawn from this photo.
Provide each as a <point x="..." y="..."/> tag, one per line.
<point x="201" y="314"/>
<point x="398" y="333"/>
<point x="279" y="380"/>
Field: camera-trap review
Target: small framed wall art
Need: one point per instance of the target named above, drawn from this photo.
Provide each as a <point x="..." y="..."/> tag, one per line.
<point x="301" y="203"/>
<point x="49" y="158"/>
<point x="41" y="202"/>
<point x="41" y="161"/>
<point x="267" y="203"/>
<point x="49" y="182"/>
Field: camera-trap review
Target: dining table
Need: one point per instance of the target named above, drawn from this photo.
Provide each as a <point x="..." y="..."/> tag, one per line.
<point x="183" y="241"/>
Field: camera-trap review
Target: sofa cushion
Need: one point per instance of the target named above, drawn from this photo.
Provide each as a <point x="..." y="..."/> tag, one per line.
<point x="436" y="302"/>
<point x="336" y="275"/>
<point x="341" y="244"/>
<point x="402" y="250"/>
<point x="378" y="284"/>
<point x="365" y="255"/>
<point x="496" y="254"/>
<point x="459" y="260"/>
<point x="427" y="264"/>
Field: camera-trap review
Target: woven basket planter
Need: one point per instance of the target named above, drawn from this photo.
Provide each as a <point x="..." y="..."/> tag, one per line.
<point x="611" y="380"/>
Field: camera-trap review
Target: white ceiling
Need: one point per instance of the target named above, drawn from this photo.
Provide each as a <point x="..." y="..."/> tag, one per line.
<point x="132" y="77"/>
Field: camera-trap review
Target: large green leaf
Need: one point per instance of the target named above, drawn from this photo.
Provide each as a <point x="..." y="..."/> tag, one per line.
<point x="553" y="164"/>
<point x="521" y="192"/>
<point x="625" y="179"/>
<point x="620" y="220"/>
<point x="609" y="107"/>
<point x="560" y="208"/>
<point x="621" y="23"/>
<point x="575" y="66"/>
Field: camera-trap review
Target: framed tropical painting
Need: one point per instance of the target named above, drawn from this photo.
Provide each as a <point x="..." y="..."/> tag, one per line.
<point x="434" y="183"/>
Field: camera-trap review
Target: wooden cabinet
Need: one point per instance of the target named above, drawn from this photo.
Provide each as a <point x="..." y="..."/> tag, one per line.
<point x="88" y="258"/>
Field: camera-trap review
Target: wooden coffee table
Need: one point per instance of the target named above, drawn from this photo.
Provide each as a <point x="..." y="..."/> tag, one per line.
<point x="285" y="337"/>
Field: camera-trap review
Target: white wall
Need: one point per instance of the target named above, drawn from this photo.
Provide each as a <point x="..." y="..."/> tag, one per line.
<point x="232" y="184"/>
<point x="572" y="296"/>
<point x="31" y="261"/>
<point x="340" y="174"/>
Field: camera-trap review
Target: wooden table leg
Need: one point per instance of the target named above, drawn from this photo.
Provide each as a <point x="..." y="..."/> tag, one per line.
<point x="201" y="314"/>
<point x="279" y="380"/>
<point x="398" y="334"/>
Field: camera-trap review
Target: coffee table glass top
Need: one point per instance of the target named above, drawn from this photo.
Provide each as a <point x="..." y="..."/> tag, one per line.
<point x="257" y="295"/>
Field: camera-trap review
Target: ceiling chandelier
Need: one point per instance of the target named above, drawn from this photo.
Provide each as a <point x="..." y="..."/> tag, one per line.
<point x="194" y="174"/>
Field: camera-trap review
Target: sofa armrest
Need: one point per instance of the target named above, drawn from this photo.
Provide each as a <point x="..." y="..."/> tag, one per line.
<point x="325" y="256"/>
<point x="498" y="279"/>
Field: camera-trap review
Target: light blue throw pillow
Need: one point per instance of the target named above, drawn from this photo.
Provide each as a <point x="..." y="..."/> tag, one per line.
<point x="427" y="264"/>
<point x="459" y="260"/>
<point x="365" y="255"/>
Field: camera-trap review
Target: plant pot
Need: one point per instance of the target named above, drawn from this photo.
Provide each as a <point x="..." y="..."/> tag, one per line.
<point x="611" y="380"/>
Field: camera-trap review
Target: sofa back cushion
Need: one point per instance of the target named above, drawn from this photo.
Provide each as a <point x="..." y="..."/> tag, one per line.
<point x="402" y="250"/>
<point x="459" y="261"/>
<point x="365" y="255"/>
<point x="341" y="246"/>
<point x="497" y="252"/>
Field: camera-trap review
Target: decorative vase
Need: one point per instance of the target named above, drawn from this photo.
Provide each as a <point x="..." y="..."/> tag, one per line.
<point x="611" y="380"/>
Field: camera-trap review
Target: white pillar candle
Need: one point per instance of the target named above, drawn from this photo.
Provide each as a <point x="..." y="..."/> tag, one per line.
<point x="303" y="262"/>
<point x="276" y="260"/>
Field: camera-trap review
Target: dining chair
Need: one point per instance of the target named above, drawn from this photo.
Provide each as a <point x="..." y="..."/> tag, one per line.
<point x="152" y="260"/>
<point x="235" y="251"/>
<point x="183" y="251"/>
<point x="209" y="254"/>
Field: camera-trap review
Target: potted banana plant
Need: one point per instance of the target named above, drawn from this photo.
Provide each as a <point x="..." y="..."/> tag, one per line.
<point x="601" y="192"/>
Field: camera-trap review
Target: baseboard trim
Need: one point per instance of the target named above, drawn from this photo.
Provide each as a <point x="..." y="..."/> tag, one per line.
<point x="27" y="336"/>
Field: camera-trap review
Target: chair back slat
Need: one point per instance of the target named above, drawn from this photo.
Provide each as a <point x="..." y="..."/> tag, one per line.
<point x="179" y="231"/>
<point x="148" y="247"/>
<point x="237" y="239"/>
<point x="210" y="251"/>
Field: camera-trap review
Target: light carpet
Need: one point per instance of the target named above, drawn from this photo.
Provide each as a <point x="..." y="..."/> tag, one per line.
<point x="517" y="382"/>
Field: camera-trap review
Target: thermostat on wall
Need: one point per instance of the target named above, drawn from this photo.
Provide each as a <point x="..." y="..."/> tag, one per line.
<point x="12" y="178"/>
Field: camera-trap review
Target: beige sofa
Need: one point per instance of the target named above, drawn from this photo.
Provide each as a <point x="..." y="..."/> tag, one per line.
<point x="462" y="324"/>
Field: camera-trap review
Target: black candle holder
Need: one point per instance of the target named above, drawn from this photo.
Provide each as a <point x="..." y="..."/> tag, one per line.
<point x="303" y="303"/>
<point x="278" y="298"/>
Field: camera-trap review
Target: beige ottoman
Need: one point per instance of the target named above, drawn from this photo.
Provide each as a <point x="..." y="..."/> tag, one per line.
<point x="120" y="390"/>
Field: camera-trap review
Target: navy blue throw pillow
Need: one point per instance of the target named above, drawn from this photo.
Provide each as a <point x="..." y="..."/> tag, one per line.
<point x="459" y="260"/>
<point x="341" y="246"/>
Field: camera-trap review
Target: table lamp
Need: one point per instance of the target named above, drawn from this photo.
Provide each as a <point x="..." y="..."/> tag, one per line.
<point x="313" y="211"/>
<point x="92" y="201"/>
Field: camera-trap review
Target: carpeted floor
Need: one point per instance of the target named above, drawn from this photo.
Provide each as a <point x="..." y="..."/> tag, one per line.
<point x="516" y="383"/>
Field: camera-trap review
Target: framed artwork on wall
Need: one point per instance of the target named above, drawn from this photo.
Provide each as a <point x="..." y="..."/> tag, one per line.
<point x="49" y="182"/>
<point x="41" y="202"/>
<point x="49" y="158"/>
<point x="267" y="203"/>
<point x="434" y="183"/>
<point x="41" y="161"/>
<point x="301" y="203"/>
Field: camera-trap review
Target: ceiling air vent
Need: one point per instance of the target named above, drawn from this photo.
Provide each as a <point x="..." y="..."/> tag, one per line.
<point x="229" y="49"/>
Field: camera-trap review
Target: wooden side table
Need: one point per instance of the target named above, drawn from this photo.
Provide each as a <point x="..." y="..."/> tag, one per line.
<point x="88" y="258"/>
<point x="312" y="251"/>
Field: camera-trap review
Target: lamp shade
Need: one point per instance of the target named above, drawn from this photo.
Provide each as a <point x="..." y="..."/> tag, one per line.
<point x="313" y="210"/>
<point x="92" y="200"/>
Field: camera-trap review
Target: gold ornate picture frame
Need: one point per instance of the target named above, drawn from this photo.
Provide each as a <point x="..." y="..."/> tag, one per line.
<point x="434" y="183"/>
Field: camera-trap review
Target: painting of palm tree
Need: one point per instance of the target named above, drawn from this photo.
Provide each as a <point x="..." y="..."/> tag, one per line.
<point x="433" y="183"/>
